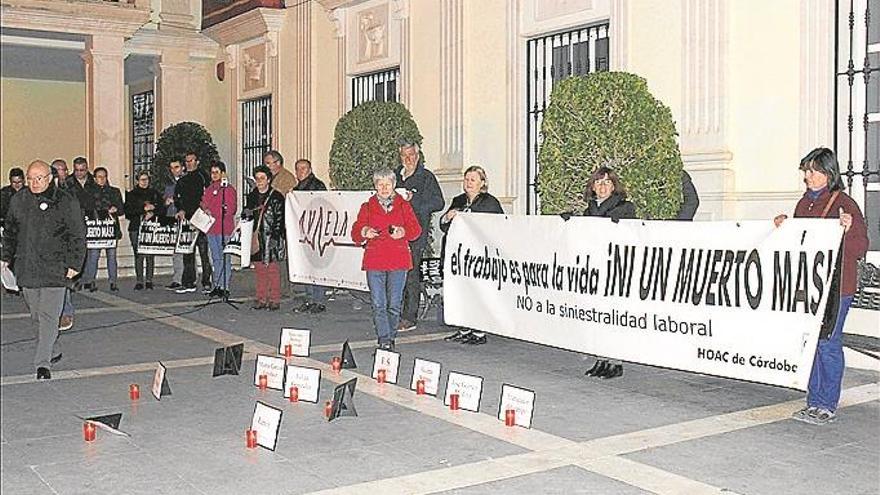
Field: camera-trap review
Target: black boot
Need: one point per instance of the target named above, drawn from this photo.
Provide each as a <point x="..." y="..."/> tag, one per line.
<point x="612" y="371"/>
<point x="598" y="368"/>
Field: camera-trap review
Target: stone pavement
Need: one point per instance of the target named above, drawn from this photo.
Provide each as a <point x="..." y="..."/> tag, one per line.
<point x="651" y="431"/>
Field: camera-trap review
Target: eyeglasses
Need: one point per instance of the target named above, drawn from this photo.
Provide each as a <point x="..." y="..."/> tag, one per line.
<point x="603" y="182"/>
<point x="270" y="162"/>
<point x="38" y="178"/>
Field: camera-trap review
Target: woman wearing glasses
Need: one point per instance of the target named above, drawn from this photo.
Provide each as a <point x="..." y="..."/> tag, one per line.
<point x="606" y="197"/>
<point x="141" y="203"/>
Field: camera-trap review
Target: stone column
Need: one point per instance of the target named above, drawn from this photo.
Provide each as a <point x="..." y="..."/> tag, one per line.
<point x="451" y="86"/>
<point x="173" y="98"/>
<point x="105" y="106"/>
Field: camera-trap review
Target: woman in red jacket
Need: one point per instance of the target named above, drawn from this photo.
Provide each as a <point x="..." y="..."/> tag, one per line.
<point x="825" y="199"/>
<point x="385" y="226"/>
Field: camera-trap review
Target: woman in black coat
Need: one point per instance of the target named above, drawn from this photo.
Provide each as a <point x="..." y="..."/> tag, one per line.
<point x="267" y="208"/>
<point x="142" y="202"/>
<point x="475" y="198"/>
<point x="606" y="197"/>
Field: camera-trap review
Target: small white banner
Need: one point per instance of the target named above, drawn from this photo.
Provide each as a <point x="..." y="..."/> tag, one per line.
<point x="469" y="389"/>
<point x="388" y="361"/>
<point x="319" y="245"/>
<point x="521" y="401"/>
<point x="429" y="371"/>
<point x="100" y="234"/>
<point x="306" y="380"/>
<point x="266" y="422"/>
<point x="298" y="339"/>
<point x="273" y="368"/>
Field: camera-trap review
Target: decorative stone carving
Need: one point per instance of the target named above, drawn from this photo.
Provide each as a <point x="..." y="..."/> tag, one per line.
<point x="232" y="57"/>
<point x="253" y="61"/>
<point x="400" y="9"/>
<point x="373" y="34"/>
<point x="337" y="18"/>
<point x="548" y="9"/>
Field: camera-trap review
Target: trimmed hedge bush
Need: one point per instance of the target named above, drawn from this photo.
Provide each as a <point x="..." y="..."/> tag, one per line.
<point x="173" y="144"/>
<point x="609" y="118"/>
<point x="367" y="139"/>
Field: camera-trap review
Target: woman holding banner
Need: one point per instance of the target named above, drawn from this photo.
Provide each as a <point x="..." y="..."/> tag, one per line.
<point x="269" y="244"/>
<point x="142" y="202"/>
<point x="385" y="226"/>
<point x="475" y="198"/>
<point x="108" y="205"/>
<point x="825" y="198"/>
<point x="606" y="197"/>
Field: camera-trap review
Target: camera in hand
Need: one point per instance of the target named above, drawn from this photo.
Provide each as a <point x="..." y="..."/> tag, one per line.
<point x="391" y="229"/>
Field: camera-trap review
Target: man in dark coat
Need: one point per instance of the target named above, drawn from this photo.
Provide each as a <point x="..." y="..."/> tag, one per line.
<point x="107" y="203"/>
<point x="690" y="199"/>
<point x="424" y="194"/>
<point x="16" y="183"/>
<point x="44" y="241"/>
<point x="306" y="181"/>
<point x="187" y="197"/>
<point x="82" y="184"/>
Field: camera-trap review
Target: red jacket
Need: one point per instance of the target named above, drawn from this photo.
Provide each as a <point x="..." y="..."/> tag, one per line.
<point x="384" y="253"/>
<point x="212" y="201"/>
<point x="855" y="241"/>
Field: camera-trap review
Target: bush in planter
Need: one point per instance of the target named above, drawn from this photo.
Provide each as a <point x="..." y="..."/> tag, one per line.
<point x="366" y="139"/>
<point x="173" y="144"/>
<point x="609" y="118"/>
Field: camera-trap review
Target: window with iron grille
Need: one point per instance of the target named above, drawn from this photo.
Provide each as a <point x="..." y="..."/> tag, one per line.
<point x="377" y="86"/>
<point x="857" y="111"/>
<point x="142" y="131"/>
<point x="550" y="59"/>
<point x="256" y="133"/>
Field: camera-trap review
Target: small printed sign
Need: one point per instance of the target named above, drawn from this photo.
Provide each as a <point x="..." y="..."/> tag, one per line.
<point x="187" y="236"/>
<point x="429" y="371"/>
<point x="299" y="340"/>
<point x="306" y="380"/>
<point x="160" y="382"/>
<point x="266" y="422"/>
<point x="388" y="361"/>
<point x="273" y="368"/>
<point x="521" y="400"/>
<point x="100" y="233"/>
<point x="469" y="389"/>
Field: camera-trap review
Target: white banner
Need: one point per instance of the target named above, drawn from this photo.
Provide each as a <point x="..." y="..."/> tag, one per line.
<point x="240" y="242"/>
<point x="100" y="233"/>
<point x="742" y="300"/>
<point x="319" y="245"/>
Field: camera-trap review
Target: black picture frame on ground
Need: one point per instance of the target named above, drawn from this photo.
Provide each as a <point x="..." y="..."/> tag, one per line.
<point x="348" y="362"/>
<point x="343" y="400"/>
<point x="227" y="360"/>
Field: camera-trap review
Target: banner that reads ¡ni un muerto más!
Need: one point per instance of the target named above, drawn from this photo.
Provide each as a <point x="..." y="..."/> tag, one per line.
<point x="742" y="300"/>
<point x="319" y="245"/>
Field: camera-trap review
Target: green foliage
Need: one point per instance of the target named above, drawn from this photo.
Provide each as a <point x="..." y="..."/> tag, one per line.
<point x="609" y="118"/>
<point x="175" y="142"/>
<point x="367" y="139"/>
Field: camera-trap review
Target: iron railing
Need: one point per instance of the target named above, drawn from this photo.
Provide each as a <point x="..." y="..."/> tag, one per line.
<point x="376" y="86"/>
<point x="256" y="133"/>
<point x="142" y="132"/>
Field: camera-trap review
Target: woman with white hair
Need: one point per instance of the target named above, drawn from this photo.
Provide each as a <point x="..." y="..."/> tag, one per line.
<point x="385" y="226"/>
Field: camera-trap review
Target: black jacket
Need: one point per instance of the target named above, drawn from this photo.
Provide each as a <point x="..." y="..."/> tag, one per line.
<point x="85" y="193"/>
<point x="690" y="199"/>
<point x="426" y="199"/>
<point x="272" y="231"/>
<point x="105" y="198"/>
<point x="6" y="193"/>
<point x="310" y="183"/>
<point x="188" y="192"/>
<point x="615" y="208"/>
<point x="41" y="242"/>
<point x="134" y="205"/>
<point x="482" y="203"/>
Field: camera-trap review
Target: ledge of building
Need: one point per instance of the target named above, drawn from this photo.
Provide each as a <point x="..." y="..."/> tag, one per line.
<point x="74" y="17"/>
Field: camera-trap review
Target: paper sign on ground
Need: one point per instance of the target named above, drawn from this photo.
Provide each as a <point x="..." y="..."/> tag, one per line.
<point x="273" y="368"/>
<point x="300" y="341"/>
<point x="266" y="422"/>
<point x="388" y="361"/>
<point x="306" y="380"/>
<point x="520" y="400"/>
<point x="429" y="371"/>
<point x="469" y="389"/>
<point x="160" y="382"/>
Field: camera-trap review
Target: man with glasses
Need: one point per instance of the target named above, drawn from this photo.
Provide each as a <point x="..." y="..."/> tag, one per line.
<point x="187" y="197"/>
<point x="175" y="169"/>
<point x="59" y="168"/>
<point x="282" y="179"/>
<point x="44" y="241"/>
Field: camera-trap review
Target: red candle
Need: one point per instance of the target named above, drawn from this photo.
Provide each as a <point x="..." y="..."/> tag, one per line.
<point x="453" y="402"/>
<point x="90" y="431"/>
<point x="328" y="408"/>
<point x="294" y="393"/>
<point x="336" y="364"/>
<point x="251" y="438"/>
<point x="380" y="376"/>
<point x="134" y="391"/>
<point x="510" y="417"/>
<point x="288" y="351"/>
<point x="264" y="382"/>
<point x="420" y="387"/>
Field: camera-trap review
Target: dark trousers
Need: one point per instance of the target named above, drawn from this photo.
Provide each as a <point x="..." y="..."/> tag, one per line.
<point x="413" y="290"/>
<point x="140" y="259"/>
<point x="45" y="305"/>
<point x="189" y="263"/>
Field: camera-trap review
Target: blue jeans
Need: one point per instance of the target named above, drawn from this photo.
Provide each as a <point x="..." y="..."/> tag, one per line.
<point x="222" y="263"/>
<point x="386" y="291"/>
<point x="91" y="271"/>
<point x="317" y="294"/>
<point x="67" y="309"/>
<point x="827" y="373"/>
